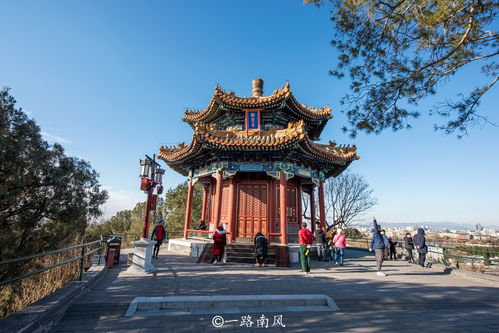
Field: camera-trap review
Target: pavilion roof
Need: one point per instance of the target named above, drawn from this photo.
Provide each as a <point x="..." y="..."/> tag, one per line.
<point x="206" y="137"/>
<point x="223" y="100"/>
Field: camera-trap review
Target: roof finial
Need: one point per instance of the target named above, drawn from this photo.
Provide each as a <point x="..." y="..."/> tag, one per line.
<point x="257" y="87"/>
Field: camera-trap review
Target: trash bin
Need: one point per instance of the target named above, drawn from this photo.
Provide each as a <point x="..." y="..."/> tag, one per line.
<point x="110" y="257"/>
<point x="114" y="243"/>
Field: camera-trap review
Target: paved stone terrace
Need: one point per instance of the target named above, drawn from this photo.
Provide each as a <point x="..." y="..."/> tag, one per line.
<point x="409" y="299"/>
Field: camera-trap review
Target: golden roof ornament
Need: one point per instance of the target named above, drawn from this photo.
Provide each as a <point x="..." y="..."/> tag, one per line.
<point x="257" y="90"/>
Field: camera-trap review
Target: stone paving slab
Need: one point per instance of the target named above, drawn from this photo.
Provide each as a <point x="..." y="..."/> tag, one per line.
<point x="408" y="299"/>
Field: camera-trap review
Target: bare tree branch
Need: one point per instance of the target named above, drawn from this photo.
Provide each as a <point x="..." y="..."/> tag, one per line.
<point x="348" y="196"/>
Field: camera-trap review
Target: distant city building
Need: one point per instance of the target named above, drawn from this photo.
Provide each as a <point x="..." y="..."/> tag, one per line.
<point x="478" y="227"/>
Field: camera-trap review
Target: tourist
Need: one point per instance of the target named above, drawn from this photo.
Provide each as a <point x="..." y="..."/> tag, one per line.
<point x="340" y="243"/>
<point x="329" y="248"/>
<point x="261" y="249"/>
<point x="305" y="240"/>
<point x="219" y="242"/>
<point x="201" y="226"/>
<point x="320" y="240"/>
<point x="378" y="246"/>
<point x="393" y="251"/>
<point x="158" y="235"/>
<point x="420" y="241"/>
<point x="409" y="246"/>
<point x="386" y="249"/>
<point x="333" y="232"/>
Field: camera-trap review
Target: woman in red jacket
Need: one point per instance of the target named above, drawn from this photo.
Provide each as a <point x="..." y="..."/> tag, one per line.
<point x="219" y="242"/>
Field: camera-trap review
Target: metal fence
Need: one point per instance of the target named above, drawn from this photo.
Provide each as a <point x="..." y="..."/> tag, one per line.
<point x="81" y="257"/>
<point x="443" y="253"/>
<point x="440" y="253"/>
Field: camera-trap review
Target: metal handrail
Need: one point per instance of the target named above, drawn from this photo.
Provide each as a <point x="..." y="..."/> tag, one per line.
<point x="46" y="253"/>
<point x="81" y="258"/>
<point x="469" y="250"/>
<point x="464" y="257"/>
<point x="445" y="254"/>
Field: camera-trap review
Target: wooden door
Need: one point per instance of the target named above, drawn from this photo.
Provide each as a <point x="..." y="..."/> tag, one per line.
<point x="226" y="204"/>
<point x="252" y="209"/>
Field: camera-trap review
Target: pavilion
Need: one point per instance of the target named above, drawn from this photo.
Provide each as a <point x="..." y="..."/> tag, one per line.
<point x="254" y="156"/>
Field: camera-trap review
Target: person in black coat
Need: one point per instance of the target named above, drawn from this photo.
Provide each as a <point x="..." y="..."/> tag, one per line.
<point x="409" y="246"/>
<point x="201" y="226"/>
<point x="393" y="250"/>
<point x="320" y="239"/>
<point x="419" y="241"/>
<point x="261" y="249"/>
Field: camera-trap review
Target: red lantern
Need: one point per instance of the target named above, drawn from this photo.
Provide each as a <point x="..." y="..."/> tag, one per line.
<point x="143" y="184"/>
<point x="159" y="189"/>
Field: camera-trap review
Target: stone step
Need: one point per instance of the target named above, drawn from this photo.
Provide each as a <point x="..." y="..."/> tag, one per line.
<point x="189" y="305"/>
<point x="243" y="253"/>
<point x="269" y="261"/>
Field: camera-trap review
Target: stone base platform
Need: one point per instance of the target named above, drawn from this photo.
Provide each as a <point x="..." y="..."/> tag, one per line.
<point x="188" y="247"/>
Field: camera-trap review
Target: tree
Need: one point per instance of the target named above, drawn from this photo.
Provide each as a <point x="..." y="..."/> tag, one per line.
<point x="398" y="52"/>
<point x="46" y="201"/>
<point x="129" y="223"/>
<point x="352" y="233"/>
<point x="173" y="210"/>
<point x="46" y="197"/>
<point x="119" y="224"/>
<point x="348" y="196"/>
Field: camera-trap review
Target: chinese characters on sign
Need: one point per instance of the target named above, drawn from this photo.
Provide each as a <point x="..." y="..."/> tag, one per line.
<point x="253" y="120"/>
<point x="261" y="322"/>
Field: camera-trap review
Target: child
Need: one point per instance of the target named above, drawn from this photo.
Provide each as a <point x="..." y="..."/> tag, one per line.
<point x="328" y="250"/>
<point x="393" y="251"/>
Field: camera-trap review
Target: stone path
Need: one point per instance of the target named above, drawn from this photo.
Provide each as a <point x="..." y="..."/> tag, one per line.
<point x="409" y="299"/>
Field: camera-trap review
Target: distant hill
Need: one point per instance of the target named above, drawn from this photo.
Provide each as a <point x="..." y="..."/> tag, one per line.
<point x="432" y="225"/>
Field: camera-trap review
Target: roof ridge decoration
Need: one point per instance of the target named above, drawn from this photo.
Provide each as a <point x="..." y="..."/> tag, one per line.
<point x="222" y="97"/>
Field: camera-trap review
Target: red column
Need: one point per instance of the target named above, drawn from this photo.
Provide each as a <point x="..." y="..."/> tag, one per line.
<point x="145" y="229"/>
<point x="312" y="209"/>
<point x="298" y="202"/>
<point x="218" y="198"/>
<point x="322" y="208"/>
<point x="188" y="208"/>
<point x="205" y="201"/>
<point x="232" y="210"/>
<point x="271" y="221"/>
<point x="282" y="199"/>
<point x="211" y="208"/>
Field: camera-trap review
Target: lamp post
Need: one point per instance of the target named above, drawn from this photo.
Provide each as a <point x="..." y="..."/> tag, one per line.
<point x="151" y="178"/>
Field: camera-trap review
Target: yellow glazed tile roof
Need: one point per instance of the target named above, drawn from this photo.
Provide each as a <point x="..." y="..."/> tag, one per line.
<point x="206" y="136"/>
<point x="221" y="97"/>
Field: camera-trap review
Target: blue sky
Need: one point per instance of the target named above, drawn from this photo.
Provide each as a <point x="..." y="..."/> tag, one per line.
<point x="110" y="80"/>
